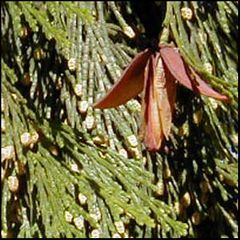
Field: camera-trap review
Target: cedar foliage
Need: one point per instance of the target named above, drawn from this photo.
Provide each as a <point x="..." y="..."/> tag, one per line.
<point x="69" y="170"/>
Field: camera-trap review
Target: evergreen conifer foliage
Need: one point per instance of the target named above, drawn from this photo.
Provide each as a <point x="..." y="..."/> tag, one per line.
<point x="70" y="170"/>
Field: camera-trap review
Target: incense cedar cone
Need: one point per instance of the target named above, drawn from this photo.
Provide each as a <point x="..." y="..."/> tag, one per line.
<point x="156" y="73"/>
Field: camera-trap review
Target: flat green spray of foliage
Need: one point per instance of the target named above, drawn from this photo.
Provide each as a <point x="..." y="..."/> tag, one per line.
<point x="69" y="170"/>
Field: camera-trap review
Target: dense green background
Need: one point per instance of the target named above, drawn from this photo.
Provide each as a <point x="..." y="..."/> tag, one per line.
<point x="72" y="171"/>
